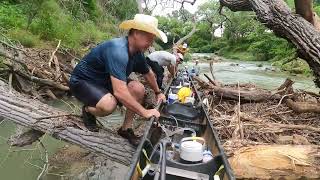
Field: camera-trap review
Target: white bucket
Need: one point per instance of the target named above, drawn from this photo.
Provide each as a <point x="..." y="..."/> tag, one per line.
<point x="172" y="98"/>
<point x="191" y="150"/>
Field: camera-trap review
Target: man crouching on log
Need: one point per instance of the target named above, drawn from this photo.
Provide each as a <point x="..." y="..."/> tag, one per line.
<point x="100" y="81"/>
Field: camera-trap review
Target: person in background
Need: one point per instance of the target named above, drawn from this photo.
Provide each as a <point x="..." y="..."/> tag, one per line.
<point x="183" y="49"/>
<point x="100" y="80"/>
<point x="197" y="68"/>
<point x="159" y="59"/>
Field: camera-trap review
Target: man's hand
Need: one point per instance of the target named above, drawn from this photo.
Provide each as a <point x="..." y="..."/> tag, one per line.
<point x="161" y="97"/>
<point x="151" y="112"/>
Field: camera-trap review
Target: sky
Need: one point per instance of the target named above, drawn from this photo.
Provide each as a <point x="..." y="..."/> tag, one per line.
<point x="191" y="8"/>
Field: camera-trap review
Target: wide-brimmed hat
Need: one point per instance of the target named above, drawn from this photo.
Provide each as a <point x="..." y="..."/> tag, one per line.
<point x="144" y="23"/>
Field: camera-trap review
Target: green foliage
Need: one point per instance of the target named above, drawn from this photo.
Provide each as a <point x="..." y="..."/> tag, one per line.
<point x="76" y="23"/>
<point x="296" y="66"/>
<point x="266" y="46"/>
<point x="26" y="38"/>
<point x="91" y="7"/>
<point x="122" y="9"/>
<point x="52" y="22"/>
<point x="317" y="10"/>
<point x="316" y="2"/>
<point x="290" y="3"/>
<point x="11" y="16"/>
<point x="187" y="57"/>
<point x="174" y="28"/>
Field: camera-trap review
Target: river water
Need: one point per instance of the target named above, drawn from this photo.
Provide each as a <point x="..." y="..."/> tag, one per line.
<point x="260" y="73"/>
<point x="21" y="163"/>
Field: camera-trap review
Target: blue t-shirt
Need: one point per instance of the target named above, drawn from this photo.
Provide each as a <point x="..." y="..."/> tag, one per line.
<point x="109" y="58"/>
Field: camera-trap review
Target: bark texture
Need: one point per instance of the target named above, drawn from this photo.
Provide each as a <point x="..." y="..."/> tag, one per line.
<point x="62" y="125"/>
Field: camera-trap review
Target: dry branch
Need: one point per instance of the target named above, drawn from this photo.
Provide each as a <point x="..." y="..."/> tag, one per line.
<point x="246" y="96"/>
<point x="52" y="55"/>
<point x="43" y="81"/>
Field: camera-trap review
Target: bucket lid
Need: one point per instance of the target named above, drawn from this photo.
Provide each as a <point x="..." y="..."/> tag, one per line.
<point x="191" y="145"/>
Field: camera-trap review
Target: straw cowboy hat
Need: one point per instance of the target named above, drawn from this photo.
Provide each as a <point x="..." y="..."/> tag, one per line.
<point x="144" y="23"/>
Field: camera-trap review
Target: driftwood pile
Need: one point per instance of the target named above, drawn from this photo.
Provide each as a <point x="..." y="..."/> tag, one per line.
<point x="42" y="73"/>
<point x="266" y="134"/>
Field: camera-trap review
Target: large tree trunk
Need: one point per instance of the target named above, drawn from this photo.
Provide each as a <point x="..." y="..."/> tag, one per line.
<point x="61" y="125"/>
<point x="277" y="16"/>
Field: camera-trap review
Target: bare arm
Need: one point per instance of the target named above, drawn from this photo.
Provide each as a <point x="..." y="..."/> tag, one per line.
<point x="150" y="77"/>
<point x="121" y="92"/>
<point x="171" y="69"/>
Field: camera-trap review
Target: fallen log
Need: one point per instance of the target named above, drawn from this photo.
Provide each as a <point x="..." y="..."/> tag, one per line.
<point x="276" y="162"/>
<point x="245" y="96"/>
<point x="61" y="125"/>
<point x="303" y="107"/>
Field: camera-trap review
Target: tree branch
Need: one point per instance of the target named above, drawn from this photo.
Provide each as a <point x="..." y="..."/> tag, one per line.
<point x="236" y="5"/>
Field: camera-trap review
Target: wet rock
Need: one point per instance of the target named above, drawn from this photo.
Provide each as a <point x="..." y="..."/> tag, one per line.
<point x="234" y="64"/>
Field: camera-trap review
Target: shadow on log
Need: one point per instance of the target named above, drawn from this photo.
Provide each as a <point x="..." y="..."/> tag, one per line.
<point x="61" y="125"/>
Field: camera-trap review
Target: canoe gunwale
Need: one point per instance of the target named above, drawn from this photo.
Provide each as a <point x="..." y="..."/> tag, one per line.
<point x="136" y="156"/>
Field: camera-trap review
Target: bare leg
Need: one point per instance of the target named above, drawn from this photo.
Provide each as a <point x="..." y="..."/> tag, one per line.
<point x="104" y="107"/>
<point x="137" y="90"/>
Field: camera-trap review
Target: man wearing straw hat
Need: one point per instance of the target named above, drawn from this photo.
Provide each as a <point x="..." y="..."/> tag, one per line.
<point x="100" y="80"/>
